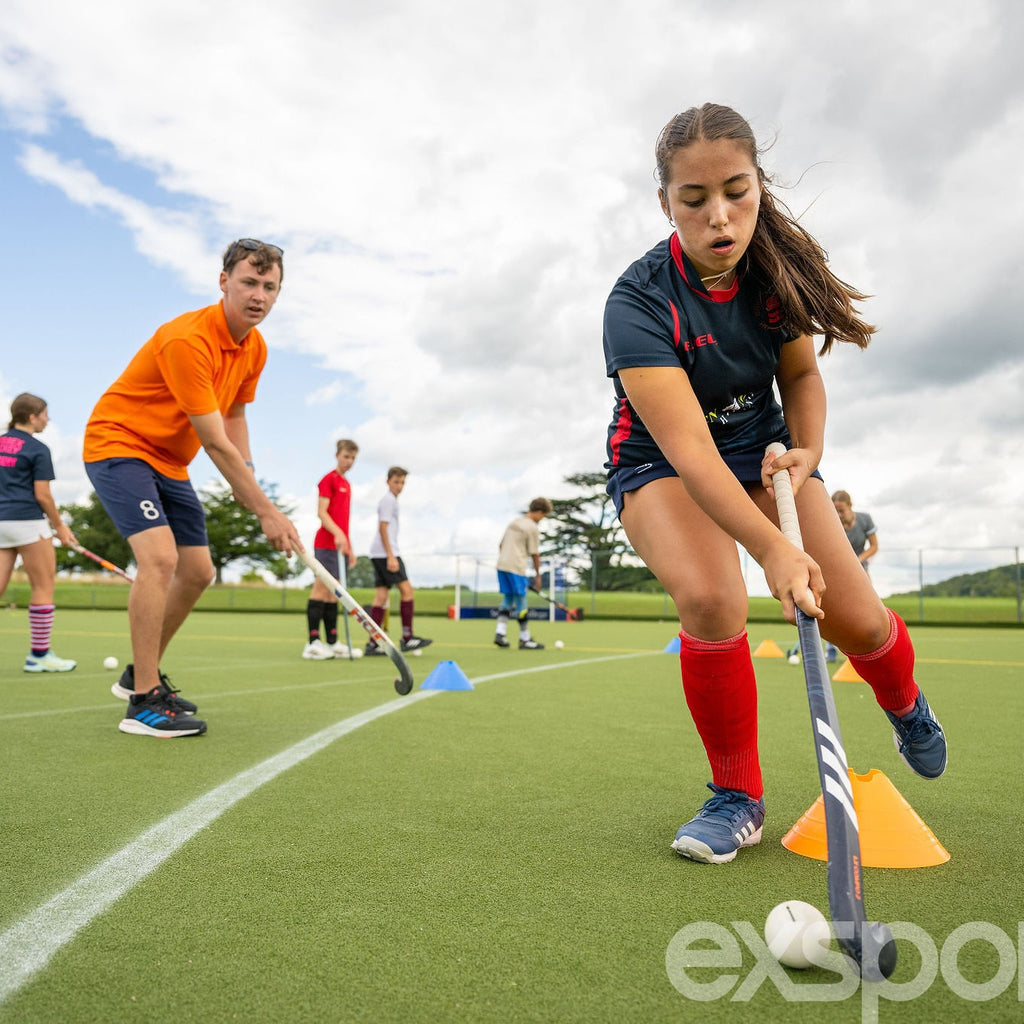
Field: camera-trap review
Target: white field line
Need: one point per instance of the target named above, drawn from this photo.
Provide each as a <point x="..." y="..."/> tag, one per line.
<point x="29" y="945"/>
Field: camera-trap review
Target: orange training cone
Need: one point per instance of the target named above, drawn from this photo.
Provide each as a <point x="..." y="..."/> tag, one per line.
<point x="846" y="673"/>
<point x="768" y="649"/>
<point x="891" y="833"/>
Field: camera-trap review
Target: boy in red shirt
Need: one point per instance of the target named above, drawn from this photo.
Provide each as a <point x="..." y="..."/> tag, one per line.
<point x="331" y="544"/>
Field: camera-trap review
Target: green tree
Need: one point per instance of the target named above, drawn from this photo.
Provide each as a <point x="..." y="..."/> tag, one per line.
<point x="360" y="576"/>
<point x="96" y="532"/>
<point x="235" y="534"/>
<point x="588" y="535"/>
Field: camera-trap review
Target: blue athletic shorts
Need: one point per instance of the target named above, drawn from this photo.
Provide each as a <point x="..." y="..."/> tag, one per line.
<point x="383" y="578"/>
<point x="745" y="466"/>
<point x="328" y="558"/>
<point x="512" y="584"/>
<point x="138" y="498"/>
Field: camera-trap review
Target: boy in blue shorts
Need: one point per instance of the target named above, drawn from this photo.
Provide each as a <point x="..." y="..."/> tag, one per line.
<point x="520" y="545"/>
<point x="186" y="388"/>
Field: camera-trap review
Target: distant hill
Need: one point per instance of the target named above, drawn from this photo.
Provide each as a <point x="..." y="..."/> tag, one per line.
<point x="1000" y="582"/>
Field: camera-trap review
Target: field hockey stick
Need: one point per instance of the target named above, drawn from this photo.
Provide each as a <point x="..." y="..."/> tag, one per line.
<point x="403" y="684"/>
<point x="570" y="613"/>
<point x="870" y="945"/>
<point x="102" y="561"/>
<point x="343" y="566"/>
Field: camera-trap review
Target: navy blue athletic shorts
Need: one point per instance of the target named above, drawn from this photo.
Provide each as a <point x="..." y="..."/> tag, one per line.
<point x="746" y="467"/>
<point x="138" y="498"/>
<point x="328" y="558"/>
<point x="383" y="578"/>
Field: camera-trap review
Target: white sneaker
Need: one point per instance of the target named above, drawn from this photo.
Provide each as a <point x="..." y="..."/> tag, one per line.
<point x="339" y="650"/>
<point x="317" y="650"/>
<point x="48" y="662"/>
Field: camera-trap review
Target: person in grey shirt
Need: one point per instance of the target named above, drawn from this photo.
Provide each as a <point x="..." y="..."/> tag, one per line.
<point x="863" y="537"/>
<point x="859" y="527"/>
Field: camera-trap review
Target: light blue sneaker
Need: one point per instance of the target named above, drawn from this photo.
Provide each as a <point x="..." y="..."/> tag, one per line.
<point x="727" y="821"/>
<point x="48" y="662"/>
<point x="920" y="740"/>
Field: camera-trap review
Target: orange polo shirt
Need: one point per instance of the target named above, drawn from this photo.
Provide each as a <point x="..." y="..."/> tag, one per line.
<point x="190" y="367"/>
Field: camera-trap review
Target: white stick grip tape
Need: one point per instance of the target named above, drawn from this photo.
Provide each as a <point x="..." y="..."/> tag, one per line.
<point x="784" y="500"/>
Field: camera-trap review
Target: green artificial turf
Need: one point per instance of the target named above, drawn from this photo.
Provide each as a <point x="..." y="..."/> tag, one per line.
<point x="500" y="854"/>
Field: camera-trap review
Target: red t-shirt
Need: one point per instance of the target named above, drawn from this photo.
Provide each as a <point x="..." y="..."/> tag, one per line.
<point x="338" y="492"/>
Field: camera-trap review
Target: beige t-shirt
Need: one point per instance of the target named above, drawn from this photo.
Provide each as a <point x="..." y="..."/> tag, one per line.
<point x="520" y="541"/>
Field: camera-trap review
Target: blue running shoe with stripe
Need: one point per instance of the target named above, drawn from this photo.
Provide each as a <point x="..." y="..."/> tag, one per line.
<point x="728" y="821"/>
<point x="919" y="739"/>
<point x="153" y="714"/>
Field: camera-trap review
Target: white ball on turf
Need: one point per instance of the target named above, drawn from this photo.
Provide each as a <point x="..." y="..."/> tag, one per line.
<point x="417" y="653"/>
<point x="357" y="652"/>
<point x="797" y="934"/>
<point x="559" y="644"/>
<point x="110" y="663"/>
<point x="794" y="659"/>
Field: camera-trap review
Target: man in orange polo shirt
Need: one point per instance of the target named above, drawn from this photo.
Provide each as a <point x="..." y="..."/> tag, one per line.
<point x="186" y="388"/>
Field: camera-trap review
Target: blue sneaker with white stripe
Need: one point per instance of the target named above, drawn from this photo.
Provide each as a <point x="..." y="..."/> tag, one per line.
<point x="154" y="714"/>
<point x="728" y="821"/>
<point x="919" y="739"/>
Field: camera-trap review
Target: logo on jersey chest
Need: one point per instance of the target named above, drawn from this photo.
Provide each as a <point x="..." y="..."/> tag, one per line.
<point x="701" y="341"/>
<point x="771" y="314"/>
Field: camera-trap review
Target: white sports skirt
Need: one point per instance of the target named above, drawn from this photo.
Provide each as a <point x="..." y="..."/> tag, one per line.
<point x="17" y="533"/>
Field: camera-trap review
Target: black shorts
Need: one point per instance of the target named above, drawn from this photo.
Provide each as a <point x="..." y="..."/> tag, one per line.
<point x="383" y="578"/>
<point x="745" y="466"/>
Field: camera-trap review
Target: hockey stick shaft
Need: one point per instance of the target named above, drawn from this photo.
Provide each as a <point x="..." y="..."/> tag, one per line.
<point x="343" y="566"/>
<point x="845" y="885"/>
<point x="569" y="612"/>
<point x="103" y="562"/>
<point x="403" y="684"/>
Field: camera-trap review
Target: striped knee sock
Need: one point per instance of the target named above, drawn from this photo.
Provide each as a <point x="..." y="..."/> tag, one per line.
<point x="40" y="624"/>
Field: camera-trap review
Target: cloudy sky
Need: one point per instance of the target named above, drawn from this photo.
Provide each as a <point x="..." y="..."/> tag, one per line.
<point x="457" y="186"/>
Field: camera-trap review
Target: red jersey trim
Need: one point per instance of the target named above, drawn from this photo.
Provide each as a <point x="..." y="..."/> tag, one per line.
<point x="717" y="295"/>
<point x="623" y="428"/>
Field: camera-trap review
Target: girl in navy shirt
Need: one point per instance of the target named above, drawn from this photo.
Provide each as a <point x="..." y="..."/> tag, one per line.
<point x="696" y="333"/>
<point x="28" y="513"/>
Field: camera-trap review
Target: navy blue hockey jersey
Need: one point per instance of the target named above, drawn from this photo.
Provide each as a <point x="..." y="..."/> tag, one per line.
<point x="729" y="344"/>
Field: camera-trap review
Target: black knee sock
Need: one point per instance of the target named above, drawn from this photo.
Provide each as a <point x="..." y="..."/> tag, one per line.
<point x="314" y="613"/>
<point x="331" y="621"/>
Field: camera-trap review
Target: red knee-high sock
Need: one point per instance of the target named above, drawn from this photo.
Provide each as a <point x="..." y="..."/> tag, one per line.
<point x="889" y="671"/>
<point x="721" y="693"/>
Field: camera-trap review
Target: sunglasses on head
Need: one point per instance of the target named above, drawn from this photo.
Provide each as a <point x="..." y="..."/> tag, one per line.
<point x="251" y="245"/>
